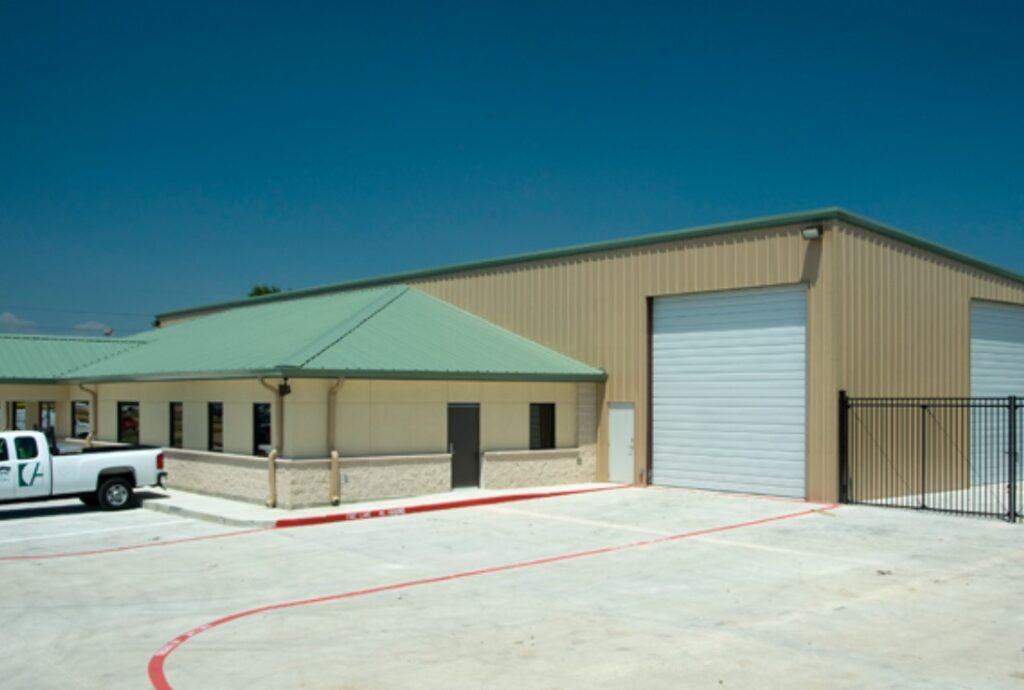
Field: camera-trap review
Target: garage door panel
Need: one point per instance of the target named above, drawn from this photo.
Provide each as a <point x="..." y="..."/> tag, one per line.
<point x="738" y="483"/>
<point x="997" y="371"/>
<point x="729" y="391"/>
<point x="683" y="442"/>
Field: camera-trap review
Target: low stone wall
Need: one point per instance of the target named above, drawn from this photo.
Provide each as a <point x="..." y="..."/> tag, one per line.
<point x="520" y="469"/>
<point x="394" y="476"/>
<point x="239" y="477"/>
<point x="306" y="483"/>
<point x="303" y="483"/>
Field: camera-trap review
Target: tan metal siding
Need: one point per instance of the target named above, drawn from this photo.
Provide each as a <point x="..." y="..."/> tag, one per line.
<point x="884" y="318"/>
<point x="902" y="324"/>
<point x="904" y="316"/>
<point x="594" y="306"/>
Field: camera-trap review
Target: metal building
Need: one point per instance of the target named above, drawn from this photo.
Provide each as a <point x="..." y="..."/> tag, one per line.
<point x="725" y="346"/>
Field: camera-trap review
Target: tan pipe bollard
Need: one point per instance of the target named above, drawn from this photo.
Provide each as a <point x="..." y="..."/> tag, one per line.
<point x="272" y="477"/>
<point x="335" y="479"/>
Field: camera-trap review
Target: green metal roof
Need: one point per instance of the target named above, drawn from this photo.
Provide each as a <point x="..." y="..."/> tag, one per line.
<point x="44" y="359"/>
<point x="388" y="332"/>
<point x="813" y="216"/>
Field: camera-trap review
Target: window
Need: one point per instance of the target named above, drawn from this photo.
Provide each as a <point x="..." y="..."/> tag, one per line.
<point x="47" y="416"/>
<point x="542" y="426"/>
<point x="3" y="451"/>
<point x="80" y="427"/>
<point x="128" y="422"/>
<point x="215" y="426"/>
<point x="25" y="448"/>
<point x="177" y="432"/>
<point x="261" y="429"/>
<point x="17" y="421"/>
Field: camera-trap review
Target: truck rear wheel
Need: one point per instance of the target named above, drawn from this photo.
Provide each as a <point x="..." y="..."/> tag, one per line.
<point x="115" y="494"/>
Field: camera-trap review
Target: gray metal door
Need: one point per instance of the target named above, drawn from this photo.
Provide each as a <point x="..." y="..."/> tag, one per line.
<point x="464" y="443"/>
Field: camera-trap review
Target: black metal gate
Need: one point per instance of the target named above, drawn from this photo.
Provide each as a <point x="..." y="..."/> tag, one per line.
<point x="954" y="455"/>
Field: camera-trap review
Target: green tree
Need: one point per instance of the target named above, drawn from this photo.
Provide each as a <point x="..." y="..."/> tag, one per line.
<point x="259" y="289"/>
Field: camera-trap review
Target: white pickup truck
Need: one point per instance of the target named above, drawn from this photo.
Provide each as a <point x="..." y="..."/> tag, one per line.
<point x="104" y="477"/>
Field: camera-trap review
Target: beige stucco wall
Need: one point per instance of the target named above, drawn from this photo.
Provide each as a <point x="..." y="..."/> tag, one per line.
<point x="32" y="395"/>
<point x="391" y="435"/>
<point x="398" y="417"/>
<point x="154" y="410"/>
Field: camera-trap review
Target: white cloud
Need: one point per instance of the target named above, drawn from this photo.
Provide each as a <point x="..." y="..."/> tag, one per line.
<point x="92" y="326"/>
<point x="12" y="323"/>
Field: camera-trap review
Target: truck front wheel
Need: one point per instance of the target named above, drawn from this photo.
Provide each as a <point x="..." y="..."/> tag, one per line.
<point x="115" y="494"/>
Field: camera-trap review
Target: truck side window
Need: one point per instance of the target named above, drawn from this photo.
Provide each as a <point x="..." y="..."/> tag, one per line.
<point x="25" y="448"/>
<point x="3" y="450"/>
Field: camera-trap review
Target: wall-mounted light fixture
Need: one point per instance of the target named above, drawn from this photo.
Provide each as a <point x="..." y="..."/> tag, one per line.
<point x="812" y="233"/>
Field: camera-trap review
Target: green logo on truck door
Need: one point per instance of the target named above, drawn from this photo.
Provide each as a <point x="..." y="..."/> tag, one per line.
<point x="36" y="474"/>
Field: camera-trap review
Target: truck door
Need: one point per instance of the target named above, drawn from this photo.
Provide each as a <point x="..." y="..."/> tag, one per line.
<point x="7" y="471"/>
<point x="32" y="472"/>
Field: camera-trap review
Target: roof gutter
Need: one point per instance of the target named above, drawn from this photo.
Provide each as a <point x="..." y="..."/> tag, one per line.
<point x="596" y="375"/>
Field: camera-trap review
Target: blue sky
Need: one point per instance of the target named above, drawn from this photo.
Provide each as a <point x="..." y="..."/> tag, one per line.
<point x="160" y="155"/>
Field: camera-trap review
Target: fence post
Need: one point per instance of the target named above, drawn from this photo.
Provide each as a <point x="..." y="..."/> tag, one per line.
<point x="924" y="454"/>
<point x="1012" y="455"/>
<point x="844" y="441"/>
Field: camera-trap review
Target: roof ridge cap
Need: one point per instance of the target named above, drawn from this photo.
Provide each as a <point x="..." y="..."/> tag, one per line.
<point x="308" y="353"/>
<point x="127" y="346"/>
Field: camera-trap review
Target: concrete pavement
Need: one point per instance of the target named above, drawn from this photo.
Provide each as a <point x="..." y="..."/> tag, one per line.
<point x="645" y="588"/>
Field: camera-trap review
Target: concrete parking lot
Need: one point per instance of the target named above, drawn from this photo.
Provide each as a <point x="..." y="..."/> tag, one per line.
<point x="642" y="588"/>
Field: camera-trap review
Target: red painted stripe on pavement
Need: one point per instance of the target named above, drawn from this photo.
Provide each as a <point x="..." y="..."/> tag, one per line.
<point x="158" y="677"/>
<point x="133" y="547"/>
<point x="285" y="523"/>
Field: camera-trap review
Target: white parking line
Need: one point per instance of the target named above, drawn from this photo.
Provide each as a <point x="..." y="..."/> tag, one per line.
<point x="817" y="555"/>
<point x="65" y="535"/>
<point x="707" y="540"/>
<point x="579" y="521"/>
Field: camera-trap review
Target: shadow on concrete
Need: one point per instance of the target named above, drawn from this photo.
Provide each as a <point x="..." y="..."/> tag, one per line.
<point x="69" y="506"/>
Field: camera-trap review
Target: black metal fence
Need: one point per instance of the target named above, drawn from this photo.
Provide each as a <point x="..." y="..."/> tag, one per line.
<point x="955" y="455"/>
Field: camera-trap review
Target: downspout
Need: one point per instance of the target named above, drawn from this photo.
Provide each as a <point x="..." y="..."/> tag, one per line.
<point x="94" y="414"/>
<point x="277" y="444"/>
<point x="334" y="483"/>
<point x="277" y="430"/>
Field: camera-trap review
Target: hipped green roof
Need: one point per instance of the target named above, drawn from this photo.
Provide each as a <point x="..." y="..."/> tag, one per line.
<point x="42" y="359"/>
<point x="390" y="332"/>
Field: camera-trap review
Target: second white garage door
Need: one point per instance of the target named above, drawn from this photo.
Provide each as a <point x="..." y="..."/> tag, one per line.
<point x="729" y="391"/>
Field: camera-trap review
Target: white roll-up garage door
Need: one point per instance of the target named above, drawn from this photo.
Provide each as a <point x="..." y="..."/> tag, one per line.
<point x="997" y="371"/>
<point x="997" y="350"/>
<point x="729" y="391"/>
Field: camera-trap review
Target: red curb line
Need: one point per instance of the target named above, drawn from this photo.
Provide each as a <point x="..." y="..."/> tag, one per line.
<point x="285" y="523"/>
<point x="155" y="668"/>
